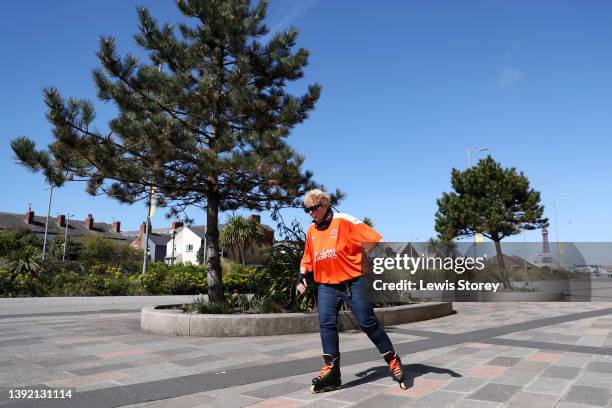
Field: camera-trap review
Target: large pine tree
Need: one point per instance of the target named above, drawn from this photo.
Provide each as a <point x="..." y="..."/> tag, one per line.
<point x="204" y="120"/>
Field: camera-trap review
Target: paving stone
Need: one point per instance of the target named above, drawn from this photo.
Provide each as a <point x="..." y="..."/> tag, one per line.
<point x="465" y="384"/>
<point x="504" y="361"/>
<point x="185" y="401"/>
<point x="577" y="360"/>
<point x="599" y="397"/>
<point x="356" y="394"/>
<point x="544" y="357"/>
<point x="76" y="381"/>
<point x="100" y="369"/>
<point x="466" y="363"/>
<point x="567" y="373"/>
<point x="25" y="341"/>
<point x="236" y="401"/>
<point x="275" y="390"/>
<point x="470" y="403"/>
<point x="176" y="351"/>
<point x="197" y="360"/>
<point x="519" y="352"/>
<point x="572" y="405"/>
<point x="278" y="403"/>
<point x="418" y="389"/>
<point x="594" y="380"/>
<point x="599" y="367"/>
<point x="486" y="371"/>
<point x="553" y="386"/>
<point x="495" y="392"/>
<point x="387" y="401"/>
<point x="438" y="399"/>
<point x="465" y="350"/>
<point x="535" y="367"/>
<point x="565" y="338"/>
<point x="533" y="400"/>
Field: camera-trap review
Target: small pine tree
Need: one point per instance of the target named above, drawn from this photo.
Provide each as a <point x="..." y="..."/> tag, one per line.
<point x="493" y="201"/>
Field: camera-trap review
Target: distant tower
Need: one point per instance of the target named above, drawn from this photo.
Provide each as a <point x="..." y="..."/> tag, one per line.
<point x="545" y="247"/>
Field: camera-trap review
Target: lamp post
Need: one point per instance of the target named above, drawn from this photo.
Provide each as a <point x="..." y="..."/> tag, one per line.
<point x="44" y="252"/>
<point x="474" y="149"/>
<point x="146" y="240"/>
<point x="66" y="236"/>
<point x="173" y="246"/>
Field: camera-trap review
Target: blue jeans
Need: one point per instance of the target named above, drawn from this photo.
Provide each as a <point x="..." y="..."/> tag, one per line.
<point x="330" y="299"/>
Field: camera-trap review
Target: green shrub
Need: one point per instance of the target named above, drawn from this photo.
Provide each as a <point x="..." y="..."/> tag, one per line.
<point x="279" y="276"/>
<point x="241" y="279"/>
<point x="234" y="303"/>
<point x="185" y="282"/>
<point x="74" y="249"/>
<point x="14" y="284"/>
<point x="64" y="283"/>
<point x="101" y="251"/>
<point x="112" y="283"/>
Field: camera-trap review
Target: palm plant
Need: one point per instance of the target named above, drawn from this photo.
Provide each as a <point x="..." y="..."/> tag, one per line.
<point x="239" y="234"/>
<point x="25" y="261"/>
<point x="441" y="247"/>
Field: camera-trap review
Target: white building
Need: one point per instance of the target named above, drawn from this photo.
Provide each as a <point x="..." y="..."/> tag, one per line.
<point x="187" y="242"/>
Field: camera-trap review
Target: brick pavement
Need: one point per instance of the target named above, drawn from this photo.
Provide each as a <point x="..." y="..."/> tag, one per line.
<point x="486" y="355"/>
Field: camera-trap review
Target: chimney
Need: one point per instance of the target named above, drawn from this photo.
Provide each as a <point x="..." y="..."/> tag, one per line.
<point x="61" y="220"/>
<point x="117" y="226"/>
<point x="256" y="218"/>
<point x="142" y="228"/>
<point x="89" y="222"/>
<point x="29" y="216"/>
<point x="176" y="225"/>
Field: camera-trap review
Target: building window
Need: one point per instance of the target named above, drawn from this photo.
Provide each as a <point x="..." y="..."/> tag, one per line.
<point x="189" y="247"/>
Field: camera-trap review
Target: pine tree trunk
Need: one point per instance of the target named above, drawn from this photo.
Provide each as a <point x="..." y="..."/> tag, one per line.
<point x="502" y="265"/>
<point x="213" y="264"/>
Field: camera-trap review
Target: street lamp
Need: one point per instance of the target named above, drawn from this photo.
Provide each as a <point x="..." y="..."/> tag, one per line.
<point x="66" y="236"/>
<point x="44" y="252"/>
<point x="474" y="149"/>
<point x="173" y="246"/>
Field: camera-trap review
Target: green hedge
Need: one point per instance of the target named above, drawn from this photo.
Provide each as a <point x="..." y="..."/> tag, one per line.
<point x="101" y="280"/>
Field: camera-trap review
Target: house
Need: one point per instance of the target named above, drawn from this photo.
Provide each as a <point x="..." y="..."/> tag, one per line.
<point x="60" y="226"/>
<point x="183" y="242"/>
<point x="158" y="241"/>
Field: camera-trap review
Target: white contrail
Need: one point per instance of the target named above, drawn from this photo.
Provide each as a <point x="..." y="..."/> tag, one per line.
<point x="299" y="8"/>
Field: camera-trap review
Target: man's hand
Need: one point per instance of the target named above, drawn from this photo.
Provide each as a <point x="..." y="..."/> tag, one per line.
<point x="301" y="283"/>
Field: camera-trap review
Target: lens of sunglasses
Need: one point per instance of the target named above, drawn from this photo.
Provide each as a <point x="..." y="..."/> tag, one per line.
<point x="313" y="208"/>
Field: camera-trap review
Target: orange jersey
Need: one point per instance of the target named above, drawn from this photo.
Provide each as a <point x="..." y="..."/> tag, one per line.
<point x="334" y="255"/>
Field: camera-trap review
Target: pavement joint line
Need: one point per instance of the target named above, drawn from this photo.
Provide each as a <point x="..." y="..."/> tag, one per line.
<point x="86" y="312"/>
<point x="196" y="383"/>
<point x="605" y="351"/>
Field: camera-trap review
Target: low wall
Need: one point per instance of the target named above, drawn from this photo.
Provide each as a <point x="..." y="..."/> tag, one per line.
<point x="175" y="322"/>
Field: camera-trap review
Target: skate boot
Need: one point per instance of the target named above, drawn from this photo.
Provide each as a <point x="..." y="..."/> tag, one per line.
<point x="329" y="377"/>
<point x="396" y="369"/>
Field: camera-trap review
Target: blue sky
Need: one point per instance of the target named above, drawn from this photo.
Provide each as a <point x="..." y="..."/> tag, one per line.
<point x="408" y="87"/>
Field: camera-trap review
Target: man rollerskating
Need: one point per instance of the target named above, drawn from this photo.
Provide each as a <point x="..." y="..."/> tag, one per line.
<point x="333" y="254"/>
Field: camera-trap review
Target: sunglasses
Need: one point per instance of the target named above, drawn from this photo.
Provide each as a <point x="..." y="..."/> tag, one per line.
<point x="312" y="208"/>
